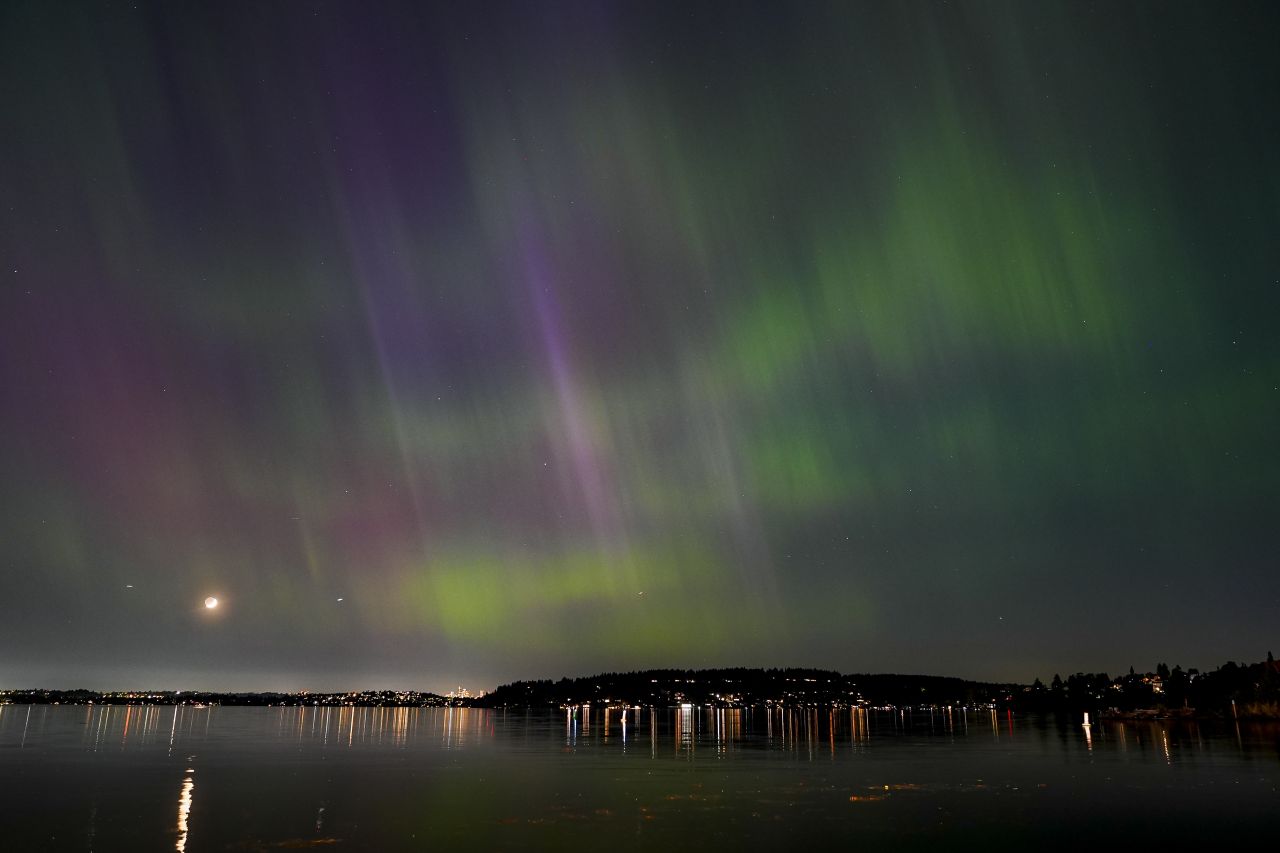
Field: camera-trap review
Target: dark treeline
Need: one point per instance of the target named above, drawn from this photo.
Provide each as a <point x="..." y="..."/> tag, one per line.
<point x="743" y="686"/>
<point x="1243" y="690"/>
<point x="1238" y="689"/>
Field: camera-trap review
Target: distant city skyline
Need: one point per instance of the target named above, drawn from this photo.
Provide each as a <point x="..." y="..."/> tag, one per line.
<point x="414" y="345"/>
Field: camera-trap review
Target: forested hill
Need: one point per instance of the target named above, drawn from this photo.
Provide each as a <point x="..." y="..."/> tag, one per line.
<point x="743" y="686"/>
<point x="1232" y="689"/>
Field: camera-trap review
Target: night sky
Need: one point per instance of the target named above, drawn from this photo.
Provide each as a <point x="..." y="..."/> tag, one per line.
<point x="488" y="341"/>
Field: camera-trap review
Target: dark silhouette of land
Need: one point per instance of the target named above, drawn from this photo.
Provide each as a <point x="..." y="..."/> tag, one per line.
<point x="1235" y="690"/>
<point x="1232" y="690"/>
<point x="742" y="686"/>
<point x="365" y="698"/>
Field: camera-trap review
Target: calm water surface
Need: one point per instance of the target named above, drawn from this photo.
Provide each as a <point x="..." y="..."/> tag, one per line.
<point x="200" y="779"/>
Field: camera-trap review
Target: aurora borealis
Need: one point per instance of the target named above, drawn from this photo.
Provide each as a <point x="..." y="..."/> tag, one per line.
<point x="563" y="337"/>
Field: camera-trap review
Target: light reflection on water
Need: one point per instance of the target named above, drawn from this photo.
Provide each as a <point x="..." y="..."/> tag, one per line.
<point x="387" y="778"/>
<point x="184" y="809"/>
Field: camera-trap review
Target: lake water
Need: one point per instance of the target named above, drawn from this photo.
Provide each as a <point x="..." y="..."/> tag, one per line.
<point x="213" y="779"/>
